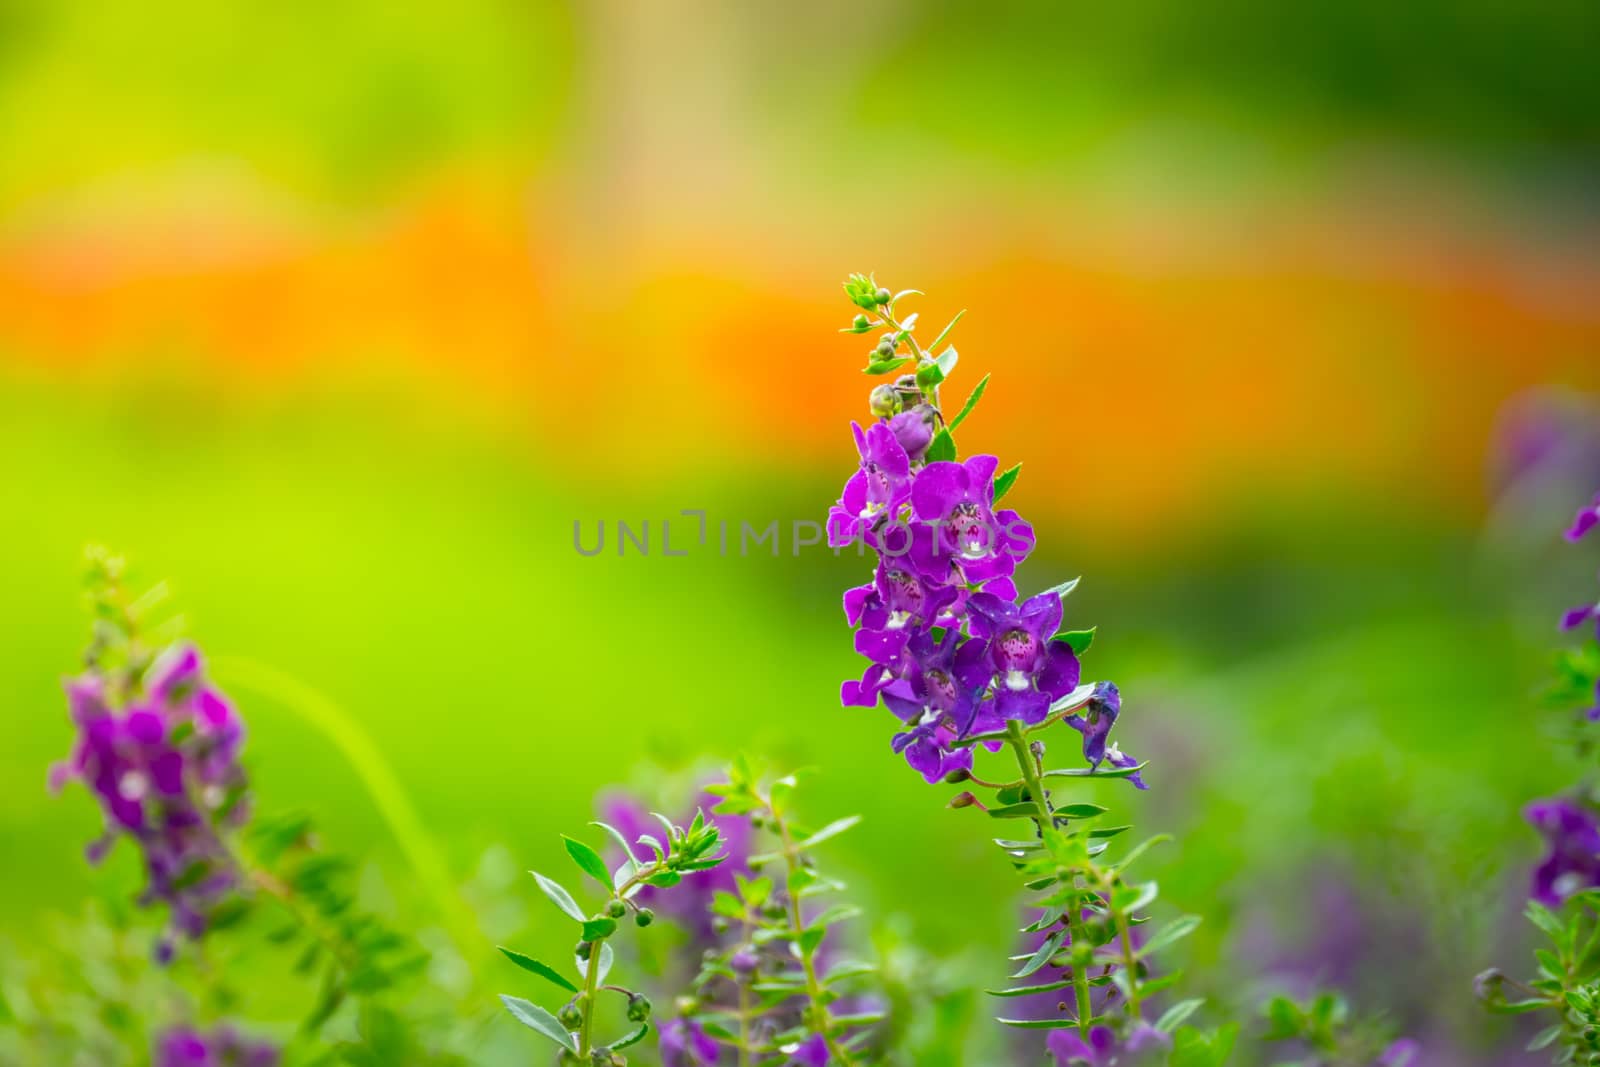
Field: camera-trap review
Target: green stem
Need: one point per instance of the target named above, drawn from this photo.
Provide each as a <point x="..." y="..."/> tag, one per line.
<point x="591" y="979"/>
<point x="819" y="1007"/>
<point x="1046" y="822"/>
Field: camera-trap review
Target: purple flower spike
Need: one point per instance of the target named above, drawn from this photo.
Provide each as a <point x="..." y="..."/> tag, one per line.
<point x="1572" y="834"/>
<point x="165" y="770"/>
<point x="958" y="498"/>
<point x="686" y="1044"/>
<point x="220" y="1047"/>
<point x="876" y="491"/>
<point x="1031" y="670"/>
<point x="1586" y="519"/>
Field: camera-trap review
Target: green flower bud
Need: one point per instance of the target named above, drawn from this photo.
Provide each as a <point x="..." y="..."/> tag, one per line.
<point x="885" y="349"/>
<point x="638" y="1008"/>
<point x="883" y="296"/>
<point x="583" y="949"/>
<point x="570" y="1016"/>
<point x="645" y="917"/>
<point x="616" y="909"/>
<point x="884" y="401"/>
<point x="861" y="324"/>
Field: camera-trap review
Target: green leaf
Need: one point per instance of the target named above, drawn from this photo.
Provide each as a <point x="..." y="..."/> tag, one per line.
<point x="1075" y="699"/>
<point x="588" y="860"/>
<point x="1105" y="770"/>
<point x="946" y="331"/>
<point x="885" y="366"/>
<point x="664" y="879"/>
<point x="534" y="1017"/>
<point x="632" y="1037"/>
<point x="943" y="448"/>
<point x="595" y="929"/>
<point x="561" y="898"/>
<point x="1174" y="1016"/>
<point x="972" y="402"/>
<point x="1025" y="810"/>
<point x="1041" y="955"/>
<point x="1078" y="640"/>
<point x="933" y="373"/>
<point x="1174" y="931"/>
<point x="1080" y="811"/>
<point x="545" y="971"/>
<point x="1029" y="990"/>
<point x="833" y="829"/>
<point x="616" y="835"/>
<point x="1003" y="483"/>
<point x="1054" y="1022"/>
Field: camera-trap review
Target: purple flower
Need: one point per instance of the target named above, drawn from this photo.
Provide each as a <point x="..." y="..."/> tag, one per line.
<point x="938" y="700"/>
<point x="897" y="598"/>
<point x="1031" y="670"/>
<point x="876" y="491"/>
<point x="813" y="1052"/>
<point x="1572" y="834"/>
<point x="221" y="1047"/>
<point x="1102" y="1049"/>
<point x="1580" y="615"/>
<point x="953" y="503"/>
<point x="686" y="1044"/>
<point x="165" y="770"/>
<point x="1094" y="722"/>
<point x="1586" y="520"/>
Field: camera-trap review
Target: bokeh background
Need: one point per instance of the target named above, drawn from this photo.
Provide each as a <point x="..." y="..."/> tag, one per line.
<point x="340" y="316"/>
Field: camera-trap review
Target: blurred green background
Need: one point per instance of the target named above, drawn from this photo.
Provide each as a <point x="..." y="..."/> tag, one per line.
<point x="339" y="317"/>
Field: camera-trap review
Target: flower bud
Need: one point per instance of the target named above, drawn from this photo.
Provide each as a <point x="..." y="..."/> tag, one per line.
<point x="914" y="430"/>
<point x="645" y="917"/>
<point x="884" y="401"/>
<point x="1487" y="985"/>
<point x="883" y="296"/>
<point x="962" y="800"/>
<point x="957" y="776"/>
<point x="638" y="1008"/>
<point x="616" y="909"/>
<point x="861" y="324"/>
<point x="570" y="1016"/>
<point x="583" y="949"/>
<point x="885" y="349"/>
<point x="744" y="962"/>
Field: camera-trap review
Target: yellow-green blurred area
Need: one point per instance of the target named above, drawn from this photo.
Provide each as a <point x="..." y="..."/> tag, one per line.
<point x="340" y="316"/>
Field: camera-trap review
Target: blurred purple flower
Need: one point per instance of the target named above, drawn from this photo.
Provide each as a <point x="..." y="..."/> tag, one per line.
<point x="689" y="902"/>
<point x="1587" y="519"/>
<point x="1580" y="615"/>
<point x="1572" y="834"/>
<point x="166" y="771"/>
<point x="686" y="1044"/>
<point x="1402" y="1053"/>
<point x="1103" y="1049"/>
<point x="222" y="1046"/>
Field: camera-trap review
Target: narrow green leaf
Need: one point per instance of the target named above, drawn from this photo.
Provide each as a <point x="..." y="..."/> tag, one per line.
<point x="833" y="829"/>
<point x="1174" y="1016"/>
<point x="534" y="1017"/>
<point x="1027" y="810"/>
<point x="943" y="448"/>
<point x="545" y="971"/>
<point x="1029" y="990"/>
<point x="616" y="835"/>
<point x="885" y="366"/>
<point x="1041" y="955"/>
<point x="1054" y="1022"/>
<point x="1003" y="483"/>
<point x="1174" y="931"/>
<point x="946" y="331"/>
<point x="559" y="896"/>
<point x="972" y="401"/>
<point x="632" y="1037"/>
<point x="588" y="860"/>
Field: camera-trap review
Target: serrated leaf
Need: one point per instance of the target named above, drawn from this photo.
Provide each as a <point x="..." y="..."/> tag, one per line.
<point x="559" y="896"/>
<point x="588" y="860"/>
<point x="543" y="970"/>
<point x="972" y="400"/>
<point x="536" y="1018"/>
<point x="1004" y="482"/>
